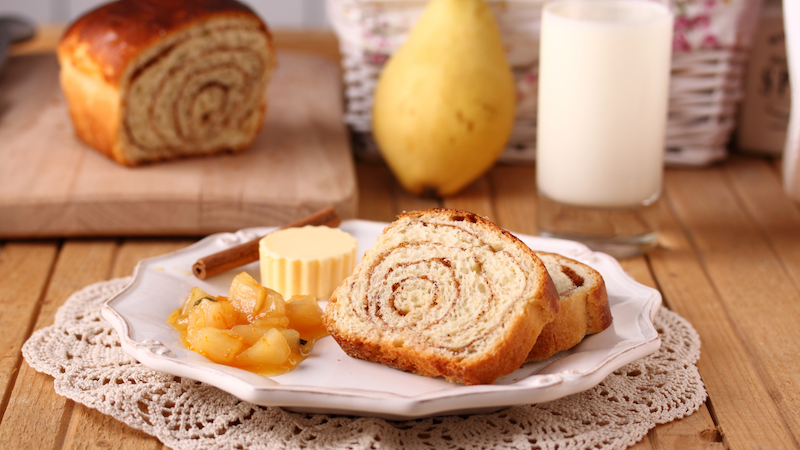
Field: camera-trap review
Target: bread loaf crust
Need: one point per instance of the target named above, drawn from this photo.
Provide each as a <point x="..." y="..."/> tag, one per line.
<point x="102" y="53"/>
<point x="95" y="110"/>
<point x="103" y="42"/>
<point x="508" y="354"/>
<point x="582" y="310"/>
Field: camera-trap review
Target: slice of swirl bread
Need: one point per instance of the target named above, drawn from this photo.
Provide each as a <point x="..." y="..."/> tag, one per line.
<point x="444" y="293"/>
<point x="583" y="306"/>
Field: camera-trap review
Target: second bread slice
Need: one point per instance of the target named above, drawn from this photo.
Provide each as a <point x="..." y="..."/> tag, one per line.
<point x="583" y="306"/>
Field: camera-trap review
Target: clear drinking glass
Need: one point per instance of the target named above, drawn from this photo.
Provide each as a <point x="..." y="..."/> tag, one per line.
<point x="604" y="73"/>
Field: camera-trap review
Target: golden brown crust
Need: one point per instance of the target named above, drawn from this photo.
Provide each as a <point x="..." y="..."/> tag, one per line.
<point x="581" y="312"/>
<point x="599" y="310"/>
<point x="94" y="109"/>
<point x="506" y="356"/>
<point x="107" y="39"/>
<point x="482" y="371"/>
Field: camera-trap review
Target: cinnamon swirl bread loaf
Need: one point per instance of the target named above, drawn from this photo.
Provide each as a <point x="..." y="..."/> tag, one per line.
<point x="147" y="80"/>
<point x="444" y="293"/>
<point x="583" y="306"/>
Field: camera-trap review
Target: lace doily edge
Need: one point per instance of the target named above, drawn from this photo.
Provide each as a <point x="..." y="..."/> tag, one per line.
<point x="62" y="388"/>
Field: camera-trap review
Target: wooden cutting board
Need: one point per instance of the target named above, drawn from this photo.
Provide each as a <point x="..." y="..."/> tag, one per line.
<point x="52" y="184"/>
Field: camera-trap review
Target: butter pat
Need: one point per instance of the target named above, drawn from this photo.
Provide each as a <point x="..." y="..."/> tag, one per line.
<point x="306" y="260"/>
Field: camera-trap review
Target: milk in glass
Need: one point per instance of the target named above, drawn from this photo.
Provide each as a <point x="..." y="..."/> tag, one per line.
<point x="603" y="92"/>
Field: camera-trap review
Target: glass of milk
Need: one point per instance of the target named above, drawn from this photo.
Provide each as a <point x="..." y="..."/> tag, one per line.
<point x="604" y="74"/>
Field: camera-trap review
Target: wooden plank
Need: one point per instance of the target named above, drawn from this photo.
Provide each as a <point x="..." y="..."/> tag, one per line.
<point x="92" y="429"/>
<point x="742" y="406"/>
<point x="696" y="431"/>
<point x="475" y="198"/>
<point x="644" y="444"/>
<point x="26" y="268"/>
<point x="383" y="198"/>
<point x="514" y="197"/>
<point x="759" y="186"/>
<point x="134" y="250"/>
<point x="407" y="201"/>
<point x="37" y="417"/>
<point x="375" y="181"/>
<point x="761" y="298"/>
<point x="638" y="268"/>
<point x="87" y="425"/>
<point x="80" y="263"/>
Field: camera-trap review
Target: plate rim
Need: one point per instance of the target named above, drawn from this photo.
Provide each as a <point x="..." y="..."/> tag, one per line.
<point x="263" y="391"/>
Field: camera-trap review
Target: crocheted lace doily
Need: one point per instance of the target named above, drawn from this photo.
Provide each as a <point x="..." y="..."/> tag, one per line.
<point x="82" y="353"/>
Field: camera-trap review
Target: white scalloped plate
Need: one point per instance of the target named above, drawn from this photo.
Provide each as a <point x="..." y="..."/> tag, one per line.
<point x="329" y="381"/>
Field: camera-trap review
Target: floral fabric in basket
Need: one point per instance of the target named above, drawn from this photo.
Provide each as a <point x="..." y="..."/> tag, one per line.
<point x="711" y="39"/>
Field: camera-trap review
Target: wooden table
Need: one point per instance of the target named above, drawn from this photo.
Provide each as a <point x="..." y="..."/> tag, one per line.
<point x="728" y="260"/>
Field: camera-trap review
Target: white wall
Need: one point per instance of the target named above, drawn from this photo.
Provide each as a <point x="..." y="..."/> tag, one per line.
<point x="277" y="13"/>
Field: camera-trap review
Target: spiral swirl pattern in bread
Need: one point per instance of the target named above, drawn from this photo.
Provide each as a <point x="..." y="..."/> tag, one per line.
<point x="158" y="79"/>
<point x="444" y="293"/>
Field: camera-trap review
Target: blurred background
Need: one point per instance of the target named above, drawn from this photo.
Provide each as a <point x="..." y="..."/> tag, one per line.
<point x="749" y="107"/>
<point x="281" y="13"/>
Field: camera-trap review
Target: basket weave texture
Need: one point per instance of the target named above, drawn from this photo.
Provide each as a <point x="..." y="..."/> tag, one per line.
<point x="710" y="47"/>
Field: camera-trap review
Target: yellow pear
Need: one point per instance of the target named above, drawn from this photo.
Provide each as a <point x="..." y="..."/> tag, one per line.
<point x="445" y="101"/>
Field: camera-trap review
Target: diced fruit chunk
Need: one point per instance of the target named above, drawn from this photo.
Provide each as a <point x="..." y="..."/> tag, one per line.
<point x="211" y="313"/>
<point x="271" y="350"/>
<point x="292" y="338"/>
<point x="275" y="305"/>
<point x="180" y="317"/>
<point x="246" y="295"/>
<point x="250" y="333"/>
<point x="304" y="313"/>
<point x="272" y="322"/>
<point x="220" y="346"/>
<point x="254" y="300"/>
<point x="253" y="328"/>
<point x="195" y="294"/>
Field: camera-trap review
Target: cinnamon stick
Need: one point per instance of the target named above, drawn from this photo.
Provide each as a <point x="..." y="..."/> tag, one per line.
<point x="248" y="252"/>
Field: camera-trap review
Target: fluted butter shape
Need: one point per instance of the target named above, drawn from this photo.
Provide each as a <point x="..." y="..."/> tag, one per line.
<point x="308" y="260"/>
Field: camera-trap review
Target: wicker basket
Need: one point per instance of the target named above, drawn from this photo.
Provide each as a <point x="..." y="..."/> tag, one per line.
<point x="710" y="48"/>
